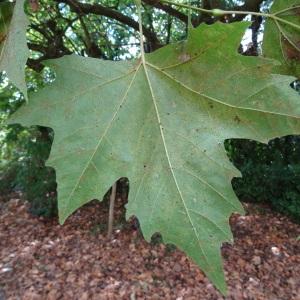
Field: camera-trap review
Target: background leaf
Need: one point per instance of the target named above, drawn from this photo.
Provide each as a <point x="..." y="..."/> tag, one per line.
<point x="281" y="41"/>
<point x="13" y="47"/>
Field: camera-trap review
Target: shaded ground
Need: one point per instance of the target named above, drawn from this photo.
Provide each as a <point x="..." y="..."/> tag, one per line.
<point x="41" y="260"/>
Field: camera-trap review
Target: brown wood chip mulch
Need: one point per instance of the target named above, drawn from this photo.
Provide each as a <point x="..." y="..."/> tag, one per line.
<point x="40" y="259"/>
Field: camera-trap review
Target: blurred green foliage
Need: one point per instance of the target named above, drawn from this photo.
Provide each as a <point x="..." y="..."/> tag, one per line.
<point x="23" y="152"/>
<point x="270" y="172"/>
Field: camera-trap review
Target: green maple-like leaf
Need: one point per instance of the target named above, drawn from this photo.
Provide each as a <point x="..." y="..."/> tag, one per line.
<point x="162" y="123"/>
<point x="13" y="44"/>
<point x="282" y="41"/>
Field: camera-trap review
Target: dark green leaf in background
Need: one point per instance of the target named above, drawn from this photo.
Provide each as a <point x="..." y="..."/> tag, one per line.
<point x="13" y="43"/>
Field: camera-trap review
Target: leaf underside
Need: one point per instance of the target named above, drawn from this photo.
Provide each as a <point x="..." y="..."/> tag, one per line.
<point x="162" y="124"/>
<point x="281" y="41"/>
<point x="13" y="43"/>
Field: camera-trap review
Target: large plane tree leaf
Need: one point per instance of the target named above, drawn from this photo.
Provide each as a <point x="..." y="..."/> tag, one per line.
<point x="162" y="122"/>
<point x="13" y="44"/>
<point x="282" y="41"/>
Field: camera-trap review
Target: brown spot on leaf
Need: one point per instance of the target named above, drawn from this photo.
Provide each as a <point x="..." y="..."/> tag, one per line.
<point x="290" y="51"/>
<point x="296" y="11"/>
<point x="2" y="37"/>
<point x="237" y="119"/>
<point x="184" y="57"/>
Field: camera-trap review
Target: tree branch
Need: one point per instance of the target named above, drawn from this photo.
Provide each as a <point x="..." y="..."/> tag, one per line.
<point x="55" y="46"/>
<point x="99" y="9"/>
<point x="168" y="9"/>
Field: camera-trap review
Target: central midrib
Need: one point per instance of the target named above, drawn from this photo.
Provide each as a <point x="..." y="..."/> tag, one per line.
<point x="168" y="158"/>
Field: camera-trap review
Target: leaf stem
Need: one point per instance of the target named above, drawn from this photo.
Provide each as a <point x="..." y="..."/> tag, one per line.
<point x="213" y="11"/>
<point x="237" y="12"/>
<point x="138" y="5"/>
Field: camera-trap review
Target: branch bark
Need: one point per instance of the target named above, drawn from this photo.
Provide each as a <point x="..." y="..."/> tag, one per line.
<point x="168" y="9"/>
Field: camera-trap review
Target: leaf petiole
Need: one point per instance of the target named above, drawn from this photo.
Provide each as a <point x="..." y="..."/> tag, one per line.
<point x="138" y="5"/>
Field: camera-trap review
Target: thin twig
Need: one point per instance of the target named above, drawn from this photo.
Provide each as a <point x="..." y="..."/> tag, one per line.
<point x="220" y="12"/>
<point x="111" y="210"/>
